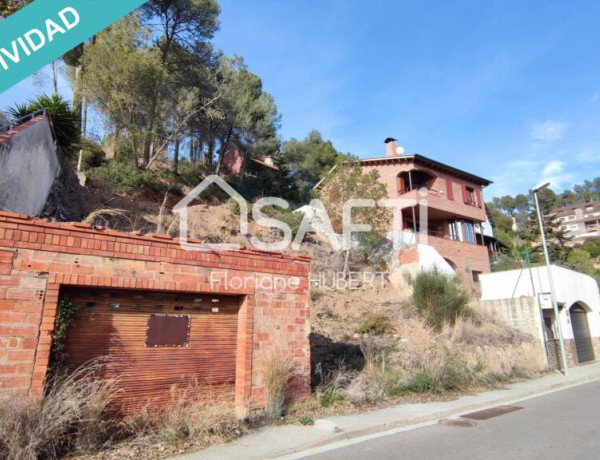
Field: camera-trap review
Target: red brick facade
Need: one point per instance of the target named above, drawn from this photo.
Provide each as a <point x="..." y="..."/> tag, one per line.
<point x="37" y="258"/>
<point x="445" y="197"/>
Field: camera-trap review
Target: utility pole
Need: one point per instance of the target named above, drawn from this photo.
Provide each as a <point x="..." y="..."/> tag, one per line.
<point x="561" y="340"/>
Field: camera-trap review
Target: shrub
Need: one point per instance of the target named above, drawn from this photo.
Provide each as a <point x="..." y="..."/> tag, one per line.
<point x="234" y="207"/>
<point x="92" y="154"/>
<point x="71" y="417"/>
<point x="278" y="369"/>
<point x="62" y="116"/>
<point x="306" y="420"/>
<point x="125" y="177"/>
<point x="421" y="383"/>
<point x="293" y="220"/>
<point x="439" y="298"/>
<point x="376" y="324"/>
<point x="204" y="422"/>
<point x="454" y="374"/>
<point x="329" y="397"/>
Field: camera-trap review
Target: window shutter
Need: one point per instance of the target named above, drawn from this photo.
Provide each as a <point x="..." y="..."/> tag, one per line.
<point x="478" y="197"/>
<point x="449" y="191"/>
<point x="464" y="192"/>
<point x="400" y="182"/>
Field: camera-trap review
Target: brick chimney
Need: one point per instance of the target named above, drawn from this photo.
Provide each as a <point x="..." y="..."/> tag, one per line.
<point x="390" y="147"/>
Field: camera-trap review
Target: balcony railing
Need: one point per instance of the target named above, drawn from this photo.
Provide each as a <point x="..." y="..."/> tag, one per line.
<point x="430" y="191"/>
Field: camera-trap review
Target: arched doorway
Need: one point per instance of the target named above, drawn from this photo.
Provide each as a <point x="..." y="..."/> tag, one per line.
<point x="452" y="264"/>
<point x="581" y="333"/>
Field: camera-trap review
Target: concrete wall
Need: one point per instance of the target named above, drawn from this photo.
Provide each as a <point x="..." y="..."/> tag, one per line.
<point x="570" y="287"/>
<point x="28" y="167"/>
<point x="521" y="313"/>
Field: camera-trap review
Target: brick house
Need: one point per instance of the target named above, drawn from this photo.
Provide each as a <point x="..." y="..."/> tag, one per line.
<point x="457" y="236"/>
<point x="236" y="164"/>
<point x="159" y="315"/>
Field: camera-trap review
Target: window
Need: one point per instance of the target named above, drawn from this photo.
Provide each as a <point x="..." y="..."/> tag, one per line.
<point x="453" y="231"/>
<point x="470" y="196"/>
<point x="475" y="275"/>
<point x="570" y="218"/>
<point x="469" y="232"/>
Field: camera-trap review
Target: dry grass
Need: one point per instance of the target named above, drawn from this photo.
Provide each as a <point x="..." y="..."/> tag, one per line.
<point x="72" y="417"/>
<point x="101" y="214"/>
<point x="277" y="371"/>
<point x="473" y="352"/>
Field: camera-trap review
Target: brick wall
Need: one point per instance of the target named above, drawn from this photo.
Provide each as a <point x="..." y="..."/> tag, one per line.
<point x="38" y="257"/>
<point x="466" y="256"/>
<point x="438" y="198"/>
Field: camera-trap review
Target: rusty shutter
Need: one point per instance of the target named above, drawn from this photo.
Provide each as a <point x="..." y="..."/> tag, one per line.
<point x="478" y="199"/>
<point x="449" y="189"/>
<point x="117" y="326"/>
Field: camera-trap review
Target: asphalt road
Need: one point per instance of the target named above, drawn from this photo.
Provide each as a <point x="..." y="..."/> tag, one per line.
<point x="561" y="425"/>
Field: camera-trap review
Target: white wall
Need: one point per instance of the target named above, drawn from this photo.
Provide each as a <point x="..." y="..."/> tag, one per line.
<point x="429" y="259"/>
<point x="28" y="167"/>
<point x="570" y="287"/>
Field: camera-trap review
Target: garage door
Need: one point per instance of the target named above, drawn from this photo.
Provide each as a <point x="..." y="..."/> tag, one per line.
<point x="581" y="334"/>
<point x="154" y="342"/>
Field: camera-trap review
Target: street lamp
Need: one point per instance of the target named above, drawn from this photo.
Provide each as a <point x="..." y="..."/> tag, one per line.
<point x="561" y="340"/>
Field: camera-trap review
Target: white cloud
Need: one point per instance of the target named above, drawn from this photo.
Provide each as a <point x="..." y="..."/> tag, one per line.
<point x="519" y="176"/>
<point x="548" y="130"/>
<point x="553" y="167"/>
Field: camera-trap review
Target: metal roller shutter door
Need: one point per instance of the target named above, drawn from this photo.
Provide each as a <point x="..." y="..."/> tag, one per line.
<point x="114" y="324"/>
<point x="581" y="333"/>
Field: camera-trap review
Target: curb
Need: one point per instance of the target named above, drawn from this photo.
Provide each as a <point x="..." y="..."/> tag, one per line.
<point x="423" y="420"/>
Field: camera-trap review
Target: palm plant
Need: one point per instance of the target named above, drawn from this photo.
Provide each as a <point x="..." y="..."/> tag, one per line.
<point x="63" y="119"/>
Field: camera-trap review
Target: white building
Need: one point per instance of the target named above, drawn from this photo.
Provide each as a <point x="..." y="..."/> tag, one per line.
<point x="578" y="299"/>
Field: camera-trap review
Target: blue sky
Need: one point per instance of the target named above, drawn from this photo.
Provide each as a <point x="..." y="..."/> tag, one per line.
<point x="504" y="89"/>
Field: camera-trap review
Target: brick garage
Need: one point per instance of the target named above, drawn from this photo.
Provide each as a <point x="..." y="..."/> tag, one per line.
<point x="39" y="259"/>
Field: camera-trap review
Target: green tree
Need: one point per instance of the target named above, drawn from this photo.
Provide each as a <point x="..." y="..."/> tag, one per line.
<point x="346" y="182"/>
<point x="186" y="24"/>
<point x="122" y="74"/>
<point x="581" y="261"/>
<point x="308" y="161"/>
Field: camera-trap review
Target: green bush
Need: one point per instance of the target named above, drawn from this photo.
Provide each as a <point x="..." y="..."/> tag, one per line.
<point x="306" y="420"/>
<point x="329" y="397"/>
<point x="62" y="116"/>
<point x="191" y="174"/>
<point x="92" y="155"/>
<point x="422" y="382"/>
<point x="439" y="298"/>
<point x="376" y="324"/>
<point x="234" y="207"/>
<point x="455" y="374"/>
<point x="125" y="177"/>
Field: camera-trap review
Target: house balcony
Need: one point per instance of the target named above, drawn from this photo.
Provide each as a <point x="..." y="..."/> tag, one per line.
<point x="440" y="207"/>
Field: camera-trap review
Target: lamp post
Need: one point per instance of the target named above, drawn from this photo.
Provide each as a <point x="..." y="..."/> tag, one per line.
<point x="561" y="340"/>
